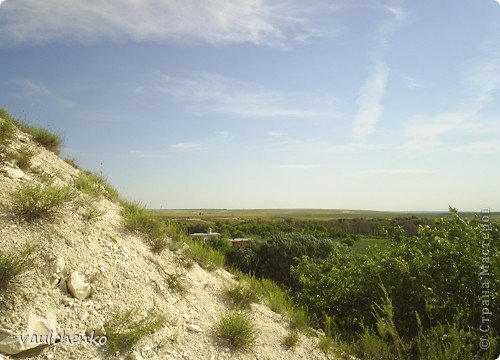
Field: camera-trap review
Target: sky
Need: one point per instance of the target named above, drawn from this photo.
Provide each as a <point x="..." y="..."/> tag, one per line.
<point x="333" y="104"/>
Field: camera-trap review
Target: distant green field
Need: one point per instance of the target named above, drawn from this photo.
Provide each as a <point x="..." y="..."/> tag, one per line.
<point x="312" y="214"/>
<point x="318" y="214"/>
<point x="361" y="246"/>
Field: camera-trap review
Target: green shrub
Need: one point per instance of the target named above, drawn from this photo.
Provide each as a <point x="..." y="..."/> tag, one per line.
<point x="299" y="318"/>
<point x="14" y="263"/>
<point x="125" y="328"/>
<point x="36" y="201"/>
<point x="276" y="299"/>
<point x="6" y="131"/>
<point x="22" y="158"/>
<point x="94" y="186"/>
<point x="291" y="339"/>
<point x="242" y="294"/>
<point x="72" y="162"/>
<point x="91" y="211"/>
<point x="137" y="219"/>
<point x="47" y="139"/>
<point x="204" y="255"/>
<point x="237" y="329"/>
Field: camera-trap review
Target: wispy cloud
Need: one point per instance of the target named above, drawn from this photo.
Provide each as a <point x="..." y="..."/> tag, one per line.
<point x="275" y="134"/>
<point x="36" y="89"/>
<point x="216" y="22"/>
<point x="30" y="88"/>
<point x="297" y="166"/>
<point x="401" y="171"/>
<point x="412" y="83"/>
<point x="478" y="147"/>
<point x="186" y="146"/>
<point x="211" y="93"/>
<point x="481" y="83"/>
<point x="370" y="97"/>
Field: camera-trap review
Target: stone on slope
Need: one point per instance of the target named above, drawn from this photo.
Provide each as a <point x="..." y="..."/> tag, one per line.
<point x="78" y="287"/>
<point x="40" y="332"/>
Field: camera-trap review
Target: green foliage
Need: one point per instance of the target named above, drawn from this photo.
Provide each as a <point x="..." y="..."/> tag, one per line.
<point x="276" y="298"/>
<point x="14" y="263"/>
<point x="272" y="259"/>
<point x="237" y="329"/>
<point x="204" y="255"/>
<point x="425" y="286"/>
<point x="91" y="211"/>
<point x="47" y="139"/>
<point x="22" y="158"/>
<point x="299" y="318"/>
<point x="72" y="162"/>
<point x="242" y="294"/>
<point x="125" y="328"/>
<point x="94" y="186"/>
<point x="291" y="339"/>
<point x="135" y="218"/>
<point x="36" y="201"/>
<point x="6" y="130"/>
<point x="176" y="282"/>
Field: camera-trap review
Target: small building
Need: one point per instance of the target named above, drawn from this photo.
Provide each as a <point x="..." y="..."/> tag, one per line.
<point x="240" y="241"/>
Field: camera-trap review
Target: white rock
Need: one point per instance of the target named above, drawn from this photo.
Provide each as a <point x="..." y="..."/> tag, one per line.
<point x="194" y="328"/>
<point x="41" y="330"/>
<point x="58" y="266"/>
<point x="134" y="355"/>
<point x="13" y="173"/>
<point x="78" y="287"/>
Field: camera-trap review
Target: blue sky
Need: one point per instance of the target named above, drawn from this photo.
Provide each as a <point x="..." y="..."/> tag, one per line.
<point x="342" y="104"/>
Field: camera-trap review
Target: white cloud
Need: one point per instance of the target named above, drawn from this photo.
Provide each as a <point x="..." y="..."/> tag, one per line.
<point x="498" y="2"/>
<point x="297" y="166"/>
<point x="478" y="147"/>
<point x="186" y="146"/>
<point x="412" y="83"/>
<point x="211" y="93"/>
<point x="275" y="134"/>
<point x="30" y="88"/>
<point x="216" y="22"/>
<point x="483" y="80"/>
<point x="402" y="171"/>
<point x="370" y="102"/>
<point x="372" y="92"/>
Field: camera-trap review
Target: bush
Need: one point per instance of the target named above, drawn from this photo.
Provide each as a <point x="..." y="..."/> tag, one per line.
<point x="22" y="158"/>
<point x="34" y="201"/>
<point x="14" y="263"/>
<point x="402" y="295"/>
<point x="50" y="141"/>
<point x="291" y="339"/>
<point x="242" y="294"/>
<point x="204" y="255"/>
<point x="94" y="186"/>
<point x="6" y="131"/>
<point x="125" y="328"/>
<point x="137" y="219"/>
<point x="237" y="329"/>
<point x="47" y="139"/>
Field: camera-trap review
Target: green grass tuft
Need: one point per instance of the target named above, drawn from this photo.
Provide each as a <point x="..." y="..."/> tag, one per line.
<point x="207" y="257"/>
<point x="135" y="218"/>
<point x="125" y="328"/>
<point x="14" y="263"/>
<point x="291" y="339"/>
<point x="36" y="201"/>
<point x="22" y="158"/>
<point x="242" y="294"/>
<point x="237" y="329"/>
<point x="94" y="186"/>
